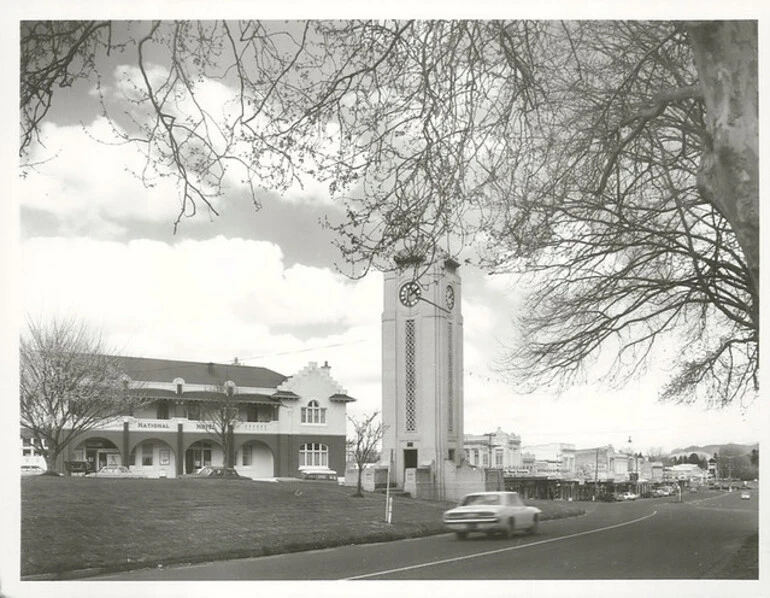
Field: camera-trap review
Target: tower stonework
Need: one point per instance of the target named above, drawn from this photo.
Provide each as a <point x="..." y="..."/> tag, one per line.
<point x="422" y="370"/>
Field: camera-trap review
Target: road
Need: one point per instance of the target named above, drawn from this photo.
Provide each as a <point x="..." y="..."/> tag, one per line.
<point x="649" y="539"/>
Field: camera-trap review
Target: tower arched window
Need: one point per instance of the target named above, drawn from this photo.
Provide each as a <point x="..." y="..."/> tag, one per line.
<point x="313" y="413"/>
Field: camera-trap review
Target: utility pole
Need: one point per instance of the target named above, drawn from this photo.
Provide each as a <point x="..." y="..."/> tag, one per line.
<point x="596" y="473"/>
<point x="489" y="447"/>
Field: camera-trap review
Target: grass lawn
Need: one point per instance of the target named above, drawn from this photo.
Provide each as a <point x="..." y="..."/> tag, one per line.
<point x="79" y="523"/>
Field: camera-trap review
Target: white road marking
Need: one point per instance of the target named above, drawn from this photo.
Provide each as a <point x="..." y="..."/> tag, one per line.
<point x="500" y="550"/>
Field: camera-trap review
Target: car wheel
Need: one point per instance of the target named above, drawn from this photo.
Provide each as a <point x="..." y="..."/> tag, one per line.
<point x="535" y="525"/>
<point x="510" y="529"/>
<point x="461" y="535"/>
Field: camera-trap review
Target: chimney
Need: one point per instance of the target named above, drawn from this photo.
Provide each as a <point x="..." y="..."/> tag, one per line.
<point x="326" y="366"/>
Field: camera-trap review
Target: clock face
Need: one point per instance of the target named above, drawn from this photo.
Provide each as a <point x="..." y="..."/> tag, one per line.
<point x="450" y="296"/>
<point x="410" y="293"/>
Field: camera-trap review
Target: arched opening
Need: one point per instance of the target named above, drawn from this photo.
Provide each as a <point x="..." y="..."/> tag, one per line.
<point x="97" y="452"/>
<point x="255" y="460"/>
<point x="201" y="454"/>
<point x="153" y="458"/>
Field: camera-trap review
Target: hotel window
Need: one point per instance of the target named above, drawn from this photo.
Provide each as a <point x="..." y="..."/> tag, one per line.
<point x="162" y="409"/>
<point x="252" y="413"/>
<point x="313" y="414"/>
<point x="498" y="458"/>
<point x="314" y="454"/>
<point x="246" y="460"/>
<point x="147" y="450"/>
<point x="193" y="410"/>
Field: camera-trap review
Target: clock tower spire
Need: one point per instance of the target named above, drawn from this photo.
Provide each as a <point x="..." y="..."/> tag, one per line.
<point x="422" y="369"/>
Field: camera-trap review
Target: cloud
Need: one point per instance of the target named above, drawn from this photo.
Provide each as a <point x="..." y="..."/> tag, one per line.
<point x="89" y="178"/>
<point x="207" y="300"/>
<point x="88" y="184"/>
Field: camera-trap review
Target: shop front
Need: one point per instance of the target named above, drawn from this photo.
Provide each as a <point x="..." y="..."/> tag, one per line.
<point x="96" y="453"/>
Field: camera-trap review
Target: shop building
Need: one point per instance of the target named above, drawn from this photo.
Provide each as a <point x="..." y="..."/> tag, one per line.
<point x="285" y="423"/>
<point x="498" y="450"/>
<point x="556" y="459"/>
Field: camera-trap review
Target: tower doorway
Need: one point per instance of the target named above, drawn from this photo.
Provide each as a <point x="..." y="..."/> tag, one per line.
<point x="410" y="458"/>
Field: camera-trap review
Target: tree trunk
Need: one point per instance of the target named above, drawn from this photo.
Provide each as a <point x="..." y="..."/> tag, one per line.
<point x="726" y="56"/>
<point x="229" y="446"/>
<point x="360" y="486"/>
<point x="50" y="458"/>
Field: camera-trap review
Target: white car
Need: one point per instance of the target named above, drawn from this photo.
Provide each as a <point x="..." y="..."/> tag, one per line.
<point x="114" y="471"/>
<point x="627" y="496"/>
<point x="745" y="496"/>
<point x="492" y="512"/>
<point x="32" y="470"/>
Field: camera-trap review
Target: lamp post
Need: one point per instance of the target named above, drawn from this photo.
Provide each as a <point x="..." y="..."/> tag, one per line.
<point x="730" y="472"/>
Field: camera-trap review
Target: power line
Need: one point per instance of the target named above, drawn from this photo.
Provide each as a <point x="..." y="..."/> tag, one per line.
<point x="305" y="350"/>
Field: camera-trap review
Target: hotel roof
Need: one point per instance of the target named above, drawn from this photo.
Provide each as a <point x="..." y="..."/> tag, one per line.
<point x="192" y="372"/>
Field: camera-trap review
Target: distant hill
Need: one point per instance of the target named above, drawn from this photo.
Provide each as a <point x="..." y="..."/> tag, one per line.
<point x="708" y="450"/>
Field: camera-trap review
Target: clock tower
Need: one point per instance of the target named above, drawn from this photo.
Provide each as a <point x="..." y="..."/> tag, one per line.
<point x="422" y="369"/>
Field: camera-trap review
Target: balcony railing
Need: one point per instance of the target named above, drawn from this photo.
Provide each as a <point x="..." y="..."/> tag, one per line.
<point x="256" y="427"/>
<point x="239" y="428"/>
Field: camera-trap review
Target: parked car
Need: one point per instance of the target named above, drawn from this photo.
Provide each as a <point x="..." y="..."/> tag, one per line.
<point x="492" y="512"/>
<point x="745" y="496"/>
<point x="320" y="476"/>
<point x="32" y="470"/>
<point x="627" y="496"/>
<point x="215" y="473"/>
<point x="113" y="471"/>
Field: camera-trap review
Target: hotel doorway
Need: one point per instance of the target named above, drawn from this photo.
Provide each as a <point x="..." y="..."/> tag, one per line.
<point x="197" y="456"/>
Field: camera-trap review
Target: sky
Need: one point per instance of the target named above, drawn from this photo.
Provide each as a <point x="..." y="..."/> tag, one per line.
<point x="264" y="286"/>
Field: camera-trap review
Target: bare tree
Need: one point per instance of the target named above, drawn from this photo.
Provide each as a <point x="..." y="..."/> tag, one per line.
<point x="68" y="385"/>
<point x="220" y="413"/>
<point x="367" y="435"/>
<point x="656" y="453"/>
<point x="611" y="165"/>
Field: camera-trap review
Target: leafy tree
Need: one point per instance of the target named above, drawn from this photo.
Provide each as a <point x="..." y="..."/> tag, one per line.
<point x="367" y="434"/>
<point x="735" y="462"/>
<point x="612" y="165"/>
<point x="68" y="385"/>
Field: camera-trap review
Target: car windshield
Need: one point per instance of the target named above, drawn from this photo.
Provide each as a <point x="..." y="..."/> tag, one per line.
<point x="205" y="471"/>
<point x="481" y="499"/>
